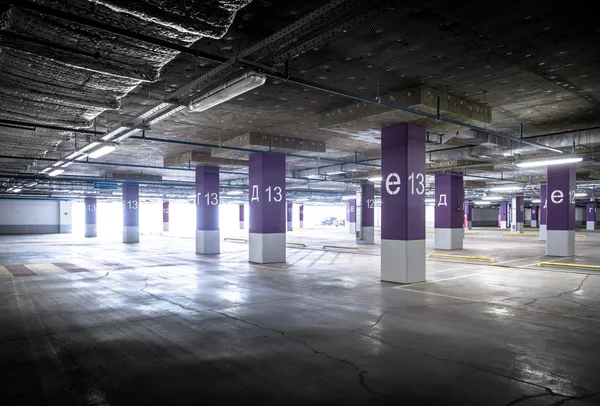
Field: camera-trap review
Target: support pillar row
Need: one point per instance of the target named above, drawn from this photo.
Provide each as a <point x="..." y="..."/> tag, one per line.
<point x="91" y="207"/>
<point x="367" y="219"/>
<point x="448" y="221"/>
<point x="290" y="216"/>
<point x="242" y="217"/>
<point x="503" y="215"/>
<point x="535" y="210"/>
<point x="403" y="203"/>
<point x="267" y="209"/>
<point x="301" y="213"/>
<point x="468" y="225"/>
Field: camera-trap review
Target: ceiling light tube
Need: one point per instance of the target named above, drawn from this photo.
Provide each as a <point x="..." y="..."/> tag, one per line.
<point x="228" y="91"/>
<point x="235" y="192"/>
<point x="547" y="162"/>
<point x="482" y="202"/>
<point x="536" y="201"/>
<point x="106" y="149"/>
<point x="16" y="190"/>
<point x="581" y="194"/>
<point x="492" y="198"/>
<point x="375" y="179"/>
<point x="56" y="172"/>
<point x="58" y="163"/>
<point x="505" y="188"/>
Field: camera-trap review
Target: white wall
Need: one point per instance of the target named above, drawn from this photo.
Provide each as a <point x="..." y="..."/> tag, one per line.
<point x="485" y="216"/>
<point x="30" y="216"/>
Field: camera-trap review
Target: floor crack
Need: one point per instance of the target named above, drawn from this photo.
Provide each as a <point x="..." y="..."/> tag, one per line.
<point x="361" y="372"/>
<point x="104" y="276"/>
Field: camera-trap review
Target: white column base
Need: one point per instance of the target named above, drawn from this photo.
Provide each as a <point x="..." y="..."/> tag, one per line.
<point x="469" y="225"/>
<point x="91" y="230"/>
<point x="207" y="242"/>
<point x="590" y="225"/>
<point x="368" y="236"/>
<point x="266" y="248"/>
<point x="560" y="243"/>
<point x="543" y="232"/>
<point x="352" y="228"/>
<point x="502" y="224"/>
<point x="301" y="224"/>
<point x="448" y="238"/>
<point x="517" y="227"/>
<point x="131" y="234"/>
<point x="289" y="226"/>
<point x="403" y="261"/>
<point x="165" y="226"/>
<point x="534" y="223"/>
<point x="241" y="225"/>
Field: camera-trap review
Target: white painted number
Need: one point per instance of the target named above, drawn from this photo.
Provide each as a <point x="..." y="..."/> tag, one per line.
<point x="370" y="203"/>
<point x="420" y="178"/>
<point x="275" y="194"/>
<point x="91" y="207"/>
<point x="212" y="199"/>
<point x="166" y="211"/>
<point x="572" y="196"/>
<point x="130" y="204"/>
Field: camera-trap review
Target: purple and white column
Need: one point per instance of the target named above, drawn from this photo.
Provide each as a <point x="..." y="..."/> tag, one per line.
<point x="543" y="212"/>
<point x="267" y="209"/>
<point x="91" y="206"/>
<point x="290" y="216"/>
<point x="207" y="210"/>
<point x="166" y="215"/>
<point x="535" y="210"/>
<point x="518" y="214"/>
<point x="448" y="221"/>
<point x="241" y="216"/>
<point x="351" y="215"/>
<point x="131" y="212"/>
<point x="301" y="213"/>
<point x="403" y="203"/>
<point x="468" y="222"/>
<point x="503" y="215"/>
<point x="367" y="217"/>
<point x="560" y="239"/>
<point x="590" y="215"/>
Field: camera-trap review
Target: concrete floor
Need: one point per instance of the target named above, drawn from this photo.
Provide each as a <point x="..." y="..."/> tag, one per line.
<point x="98" y="322"/>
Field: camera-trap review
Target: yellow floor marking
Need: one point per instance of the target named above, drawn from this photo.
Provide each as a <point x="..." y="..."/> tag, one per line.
<point x="4" y="273"/>
<point x="45" y="269"/>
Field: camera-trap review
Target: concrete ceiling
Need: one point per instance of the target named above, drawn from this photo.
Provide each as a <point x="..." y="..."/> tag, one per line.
<point x="74" y="71"/>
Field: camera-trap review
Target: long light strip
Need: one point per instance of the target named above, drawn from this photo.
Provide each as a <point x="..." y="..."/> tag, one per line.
<point x="482" y="202"/>
<point x="492" y="198"/>
<point x="548" y="162"/>
<point x="505" y="188"/>
<point x="228" y="91"/>
<point x="56" y="172"/>
<point x="106" y="149"/>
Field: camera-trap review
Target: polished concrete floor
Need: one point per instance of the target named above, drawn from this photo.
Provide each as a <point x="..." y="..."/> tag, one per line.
<point x="98" y="322"/>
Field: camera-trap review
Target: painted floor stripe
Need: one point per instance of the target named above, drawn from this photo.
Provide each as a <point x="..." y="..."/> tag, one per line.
<point x="19" y="270"/>
<point x="45" y="269"/>
<point x="4" y="273"/>
<point x="69" y="267"/>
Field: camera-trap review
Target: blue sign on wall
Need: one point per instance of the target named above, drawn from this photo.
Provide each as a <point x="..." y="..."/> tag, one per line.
<point x="106" y="185"/>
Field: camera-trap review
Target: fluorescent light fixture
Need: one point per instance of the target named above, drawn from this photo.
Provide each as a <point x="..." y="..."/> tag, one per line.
<point x="505" y="188"/>
<point x="128" y="134"/>
<point x="348" y="197"/>
<point x="73" y="155"/>
<point x="107" y="149"/>
<point x="302" y="199"/>
<point x="154" y="110"/>
<point x="582" y="194"/>
<point x="536" y="201"/>
<point x="66" y="164"/>
<point x="547" y="162"/>
<point x="228" y="91"/>
<point x="375" y="179"/>
<point x="45" y="170"/>
<point x="235" y="192"/>
<point x="113" y="133"/>
<point x="430" y="200"/>
<point x="166" y="115"/>
<point x="492" y="198"/>
<point x="58" y="163"/>
<point x="482" y="202"/>
<point x="56" y="172"/>
<point x="16" y="190"/>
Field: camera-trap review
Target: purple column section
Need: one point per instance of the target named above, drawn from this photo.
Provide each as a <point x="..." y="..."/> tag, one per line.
<point x="131" y="203"/>
<point x="301" y="212"/>
<point x="289" y="211"/>
<point x="91" y="205"/>
<point x="166" y="211"/>
<point x="468" y="211"/>
<point x="449" y="200"/>
<point x="351" y="211"/>
<point x="520" y="209"/>
<point x="543" y="204"/>
<point x="561" y="199"/>
<point x="368" y="205"/>
<point x="403" y="182"/>
<point x="241" y="212"/>
<point x="591" y="211"/>
<point x="503" y="211"/>
<point x="267" y="194"/>
<point x="207" y="198"/>
<point x="534" y="212"/>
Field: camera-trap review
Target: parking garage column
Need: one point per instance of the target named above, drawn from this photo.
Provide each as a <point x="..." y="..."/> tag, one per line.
<point x="165" y="215"/>
<point x="241" y="216"/>
<point x="367" y="223"/>
<point x="468" y="225"/>
<point x="91" y="205"/>
<point x="267" y="209"/>
<point x="543" y="211"/>
<point x="560" y="237"/>
<point x="351" y="215"/>
<point x="207" y="210"/>
<point x="290" y="216"/>
<point x="131" y="213"/>
<point x="517" y="214"/>
<point x="503" y="215"/>
<point x="591" y="215"/>
<point x="534" y="215"/>
<point x="403" y="203"/>
<point x="301" y="213"/>
<point x="448" y="221"/>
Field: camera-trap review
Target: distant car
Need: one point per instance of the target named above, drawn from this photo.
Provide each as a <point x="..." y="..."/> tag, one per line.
<point x="329" y="221"/>
<point x="339" y="223"/>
